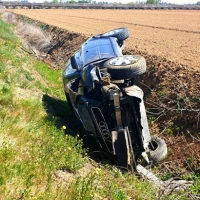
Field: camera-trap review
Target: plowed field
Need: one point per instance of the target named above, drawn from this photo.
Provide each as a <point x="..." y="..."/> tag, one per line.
<point x="174" y="35"/>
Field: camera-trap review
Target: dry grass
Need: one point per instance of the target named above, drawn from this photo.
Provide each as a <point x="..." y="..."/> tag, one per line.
<point x="9" y="17"/>
<point x="34" y="37"/>
<point x="2" y="9"/>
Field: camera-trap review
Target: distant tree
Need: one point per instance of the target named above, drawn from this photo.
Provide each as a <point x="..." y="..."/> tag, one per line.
<point x="55" y="1"/>
<point x="152" y="2"/>
<point x="198" y="3"/>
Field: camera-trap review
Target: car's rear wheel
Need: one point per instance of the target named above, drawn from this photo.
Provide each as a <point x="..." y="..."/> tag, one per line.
<point x="158" y="149"/>
<point x="125" y="67"/>
<point x="119" y="33"/>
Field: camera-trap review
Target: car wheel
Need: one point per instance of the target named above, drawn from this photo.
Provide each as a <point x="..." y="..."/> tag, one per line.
<point x="125" y="67"/>
<point x="120" y="33"/>
<point x="158" y="149"/>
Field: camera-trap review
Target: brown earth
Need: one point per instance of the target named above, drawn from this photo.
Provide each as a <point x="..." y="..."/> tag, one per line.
<point x="170" y="43"/>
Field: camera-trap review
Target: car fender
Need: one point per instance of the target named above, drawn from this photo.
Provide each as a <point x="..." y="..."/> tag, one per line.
<point x="135" y="91"/>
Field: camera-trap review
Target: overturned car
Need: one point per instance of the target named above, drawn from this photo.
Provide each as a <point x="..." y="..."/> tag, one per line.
<point x="99" y="86"/>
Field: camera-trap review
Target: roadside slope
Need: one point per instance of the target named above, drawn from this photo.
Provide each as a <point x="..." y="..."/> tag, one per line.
<point x="33" y="145"/>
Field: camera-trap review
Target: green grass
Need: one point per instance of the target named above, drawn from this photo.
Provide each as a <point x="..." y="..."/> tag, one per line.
<point x="36" y="144"/>
<point x="6" y="34"/>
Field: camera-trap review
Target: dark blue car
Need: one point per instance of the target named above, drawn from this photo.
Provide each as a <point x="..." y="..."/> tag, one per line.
<point x="99" y="85"/>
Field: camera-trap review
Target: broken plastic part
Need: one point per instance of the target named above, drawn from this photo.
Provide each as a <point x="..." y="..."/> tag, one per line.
<point x="145" y="156"/>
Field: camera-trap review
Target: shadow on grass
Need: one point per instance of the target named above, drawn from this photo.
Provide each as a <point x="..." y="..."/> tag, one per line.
<point x="59" y="113"/>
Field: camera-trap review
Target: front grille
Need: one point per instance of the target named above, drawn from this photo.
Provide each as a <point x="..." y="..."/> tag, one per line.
<point x="101" y="124"/>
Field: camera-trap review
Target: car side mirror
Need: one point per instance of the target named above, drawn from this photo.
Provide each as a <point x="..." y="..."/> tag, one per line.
<point x="74" y="63"/>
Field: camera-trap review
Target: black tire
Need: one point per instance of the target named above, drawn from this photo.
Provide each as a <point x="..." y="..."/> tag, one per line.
<point x="131" y="66"/>
<point x="119" y="33"/>
<point x="158" y="149"/>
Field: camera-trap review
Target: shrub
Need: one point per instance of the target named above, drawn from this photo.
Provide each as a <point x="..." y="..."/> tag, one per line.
<point x="33" y="37"/>
<point x="9" y="17"/>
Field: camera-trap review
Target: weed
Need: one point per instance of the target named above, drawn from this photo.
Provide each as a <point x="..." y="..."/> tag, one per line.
<point x="6" y="35"/>
<point x="84" y="187"/>
<point x="166" y="176"/>
<point x="39" y="85"/>
<point x="169" y="129"/>
<point x="163" y="91"/>
<point x="196" y="187"/>
<point x="151" y="118"/>
<point x="190" y="160"/>
<point x="9" y="17"/>
<point x="5" y="151"/>
<point x="33" y="36"/>
<point x="152" y="67"/>
<point x="6" y="96"/>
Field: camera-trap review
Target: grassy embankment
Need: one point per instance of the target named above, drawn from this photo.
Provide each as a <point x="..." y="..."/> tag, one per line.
<point x="39" y="159"/>
<point x="32" y="142"/>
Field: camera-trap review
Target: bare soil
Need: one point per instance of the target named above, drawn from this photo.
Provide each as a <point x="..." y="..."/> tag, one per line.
<point x="170" y="43"/>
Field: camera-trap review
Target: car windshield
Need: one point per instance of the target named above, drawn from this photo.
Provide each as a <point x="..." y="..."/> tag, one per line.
<point x="97" y="49"/>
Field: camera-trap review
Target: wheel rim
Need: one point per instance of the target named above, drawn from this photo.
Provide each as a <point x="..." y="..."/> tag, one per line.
<point x="112" y="32"/>
<point x="125" y="60"/>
